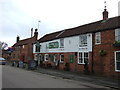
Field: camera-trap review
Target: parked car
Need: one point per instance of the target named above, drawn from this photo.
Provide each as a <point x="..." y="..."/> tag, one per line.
<point x="2" y="61"/>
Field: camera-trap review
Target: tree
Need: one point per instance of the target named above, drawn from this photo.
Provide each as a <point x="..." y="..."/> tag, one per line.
<point x="3" y="45"/>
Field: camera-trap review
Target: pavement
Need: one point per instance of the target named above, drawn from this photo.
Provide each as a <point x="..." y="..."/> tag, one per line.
<point x="98" y="80"/>
<point x="112" y="83"/>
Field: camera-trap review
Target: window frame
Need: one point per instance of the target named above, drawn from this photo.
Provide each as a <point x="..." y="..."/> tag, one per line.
<point x="23" y="46"/>
<point x="98" y="37"/>
<point x="82" y="58"/>
<point x="116" y="61"/>
<point x="83" y="42"/>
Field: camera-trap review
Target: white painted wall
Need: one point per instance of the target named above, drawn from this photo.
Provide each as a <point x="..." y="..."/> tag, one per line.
<point x="71" y="44"/>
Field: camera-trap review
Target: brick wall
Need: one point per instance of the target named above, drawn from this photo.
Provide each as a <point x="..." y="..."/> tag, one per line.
<point x="73" y="66"/>
<point x="105" y="65"/>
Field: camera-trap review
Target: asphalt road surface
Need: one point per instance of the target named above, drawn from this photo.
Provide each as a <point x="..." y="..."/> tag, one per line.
<point x="13" y="77"/>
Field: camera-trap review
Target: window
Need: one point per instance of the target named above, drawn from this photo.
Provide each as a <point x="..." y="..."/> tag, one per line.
<point x="23" y="46"/>
<point x="97" y="38"/>
<point x="41" y="57"/>
<point x="61" y="58"/>
<point x="117" y="61"/>
<point x="117" y="35"/>
<point x="37" y="48"/>
<point x="83" y="40"/>
<point x="61" y="43"/>
<point x="55" y="57"/>
<point x="35" y="57"/>
<point x="83" y="57"/>
<point x="80" y="58"/>
<point x="46" y="57"/>
<point x="13" y="55"/>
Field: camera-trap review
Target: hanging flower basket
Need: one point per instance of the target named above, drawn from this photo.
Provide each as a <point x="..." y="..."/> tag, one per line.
<point x="102" y="52"/>
<point x="116" y="44"/>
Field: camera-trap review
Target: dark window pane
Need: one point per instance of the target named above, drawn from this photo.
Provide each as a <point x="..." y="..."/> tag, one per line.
<point x="118" y="65"/>
<point x="118" y="56"/>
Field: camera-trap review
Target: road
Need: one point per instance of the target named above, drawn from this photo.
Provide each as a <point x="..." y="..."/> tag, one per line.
<point x="0" y="77"/>
<point x="13" y="77"/>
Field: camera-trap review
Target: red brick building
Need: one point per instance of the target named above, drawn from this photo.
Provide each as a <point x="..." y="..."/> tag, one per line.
<point x="23" y="48"/>
<point x="94" y="47"/>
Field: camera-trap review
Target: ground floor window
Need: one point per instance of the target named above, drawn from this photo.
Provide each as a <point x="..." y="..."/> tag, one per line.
<point x="41" y="57"/>
<point x="35" y="57"/>
<point x="61" y="58"/>
<point x="83" y="57"/>
<point x="46" y="57"/>
<point x="55" y="58"/>
<point x="117" y="61"/>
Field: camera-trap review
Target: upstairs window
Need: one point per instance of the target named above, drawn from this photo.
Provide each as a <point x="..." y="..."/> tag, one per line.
<point x="98" y="38"/>
<point x="117" y="35"/>
<point x="117" y="61"/>
<point x="83" y="40"/>
<point x="37" y="48"/>
<point x="61" y="43"/>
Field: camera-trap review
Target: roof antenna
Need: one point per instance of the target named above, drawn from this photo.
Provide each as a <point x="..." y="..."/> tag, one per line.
<point x="105" y="5"/>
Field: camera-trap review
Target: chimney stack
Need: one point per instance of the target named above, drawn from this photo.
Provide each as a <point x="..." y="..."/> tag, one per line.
<point x="105" y="12"/>
<point x="36" y="34"/>
<point x="18" y="38"/>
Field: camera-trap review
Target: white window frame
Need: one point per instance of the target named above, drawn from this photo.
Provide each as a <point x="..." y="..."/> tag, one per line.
<point x="23" y="46"/>
<point x="83" y="58"/>
<point x="116" y="62"/>
<point x="83" y="42"/>
<point x="98" y="37"/>
<point x="62" y="43"/>
<point x="46" y="57"/>
<point x="61" y="58"/>
<point x="117" y="35"/>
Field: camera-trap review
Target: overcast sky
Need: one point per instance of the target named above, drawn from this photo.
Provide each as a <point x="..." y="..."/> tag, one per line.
<point x="17" y="17"/>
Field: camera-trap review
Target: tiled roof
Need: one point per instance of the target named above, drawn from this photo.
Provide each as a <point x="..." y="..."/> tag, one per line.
<point x="24" y="41"/>
<point x="102" y="25"/>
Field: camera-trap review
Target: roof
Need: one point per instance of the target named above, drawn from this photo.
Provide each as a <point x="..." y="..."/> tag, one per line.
<point x="24" y="41"/>
<point x="102" y="25"/>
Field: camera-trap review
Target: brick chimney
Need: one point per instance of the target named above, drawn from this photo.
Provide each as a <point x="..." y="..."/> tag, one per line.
<point x="18" y="38"/>
<point x="105" y="12"/>
<point x="36" y="34"/>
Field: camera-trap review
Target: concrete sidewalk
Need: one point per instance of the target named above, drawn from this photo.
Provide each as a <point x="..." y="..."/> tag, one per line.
<point x="107" y="82"/>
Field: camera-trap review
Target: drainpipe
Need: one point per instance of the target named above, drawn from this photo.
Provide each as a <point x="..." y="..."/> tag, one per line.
<point x="92" y="67"/>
